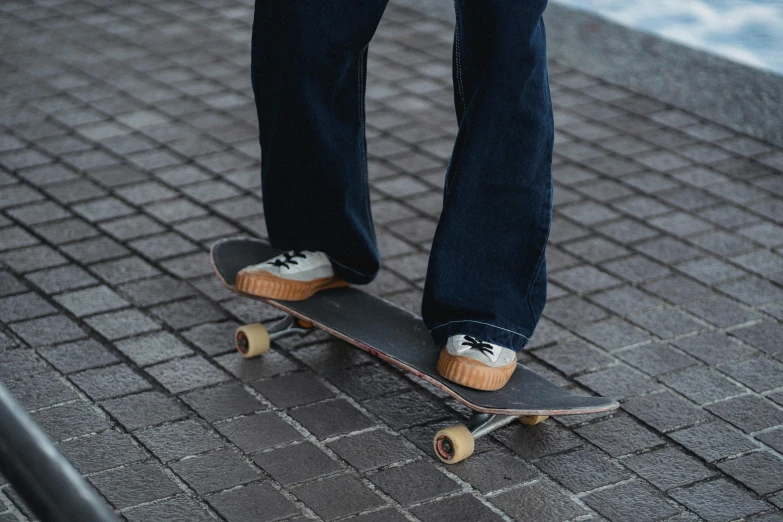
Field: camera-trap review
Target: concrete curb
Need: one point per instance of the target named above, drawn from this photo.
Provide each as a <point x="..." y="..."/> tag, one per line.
<point x="741" y="97"/>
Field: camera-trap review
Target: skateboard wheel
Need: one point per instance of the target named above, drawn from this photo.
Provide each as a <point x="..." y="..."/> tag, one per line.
<point x="252" y="340"/>
<point x="453" y="444"/>
<point x="532" y="420"/>
<point x="305" y="324"/>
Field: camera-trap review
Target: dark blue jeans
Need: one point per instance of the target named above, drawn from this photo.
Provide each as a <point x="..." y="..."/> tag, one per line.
<point x="487" y="270"/>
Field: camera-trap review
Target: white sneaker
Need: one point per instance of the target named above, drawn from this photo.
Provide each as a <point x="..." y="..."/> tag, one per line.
<point x="476" y="364"/>
<point x="292" y="276"/>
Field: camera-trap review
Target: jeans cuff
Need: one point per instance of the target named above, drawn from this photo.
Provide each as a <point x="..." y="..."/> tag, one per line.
<point x="349" y="274"/>
<point x="483" y="331"/>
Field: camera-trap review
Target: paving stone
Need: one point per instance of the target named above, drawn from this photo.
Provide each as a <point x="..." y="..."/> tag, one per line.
<point x="131" y="227"/>
<point x="259" y="502"/>
<point x="573" y="311"/>
<point x="134" y="484"/>
<point x="60" y="279"/>
<point x="144" y="409"/>
<point x="720" y="311"/>
<point x="23" y="306"/>
<point x="91" y="301"/>
<point x="582" y="470"/>
<point x="94" y="250"/>
<point x="331" y="418"/>
<point x="678" y="290"/>
<point x="772" y="438"/>
<point x="759" y="373"/>
<point x="153" y="348"/>
<point x="542" y="498"/>
<point x="368" y="381"/>
<point x="124" y="270"/>
<point x="668" y="250"/>
<point x="100" y="452"/>
<point x="162" y="246"/>
<point x="371" y="449"/>
<point x="584" y="279"/>
<point x="664" y="411"/>
<point x="749" y="413"/>
<point x="535" y="442"/>
<point x="714" y="348"/>
<point x="222" y="402"/>
<point x="15" y="237"/>
<point x="612" y="334"/>
<point x="313" y="463"/>
<point x="619" y="435"/>
<point x="222" y="469"/>
<point x="463" y="508"/>
<point x="701" y="384"/>
<point x="17" y="364"/>
<point x="625" y="300"/>
<point x="764" y="336"/>
<point x="666" y="322"/>
<point x="188" y="313"/>
<point x="656" y="359"/>
<point x="331" y="356"/>
<point x="41" y="390"/>
<point x="413" y="483"/>
<point x="70" y="420"/>
<point x="752" y="291"/>
<point x="177" y="509"/>
<point x="112" y="381"/>
<point x="48" y="330"/>
<point x="406" y="409"/>
<point x="10" y="285"/>
<point x="157" y="290"/>
<point x="718" y="501"/>
<point x="337" y="497"/>
<point x="293" y="390"/>
<point x="178" y="439"/>
<point x="760" y="471"/>
<point x="33" y="258"/>
<point x="573" y="357"/>
<point x="258" y="432"/>
<point x="186" y="374"/>
<point x="710" y="270"/>
<point x="667" y="468"/>
<point x="125" y="323"/>
<point x="714" y="440"/>
<point x="188" y="266"/>
<point x="617" y="382"/>
<point x="631" y="501"/>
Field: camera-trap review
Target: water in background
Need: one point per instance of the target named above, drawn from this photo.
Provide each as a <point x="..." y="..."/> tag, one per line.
<point x="747" y="31"/>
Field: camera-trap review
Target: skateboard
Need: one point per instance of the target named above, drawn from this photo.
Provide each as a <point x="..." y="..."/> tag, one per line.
<point x="400" y="338"/>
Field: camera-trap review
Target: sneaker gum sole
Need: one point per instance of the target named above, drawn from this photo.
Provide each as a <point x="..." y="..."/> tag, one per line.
<point x="264" y="284"/>
<point x="473" y="374"/>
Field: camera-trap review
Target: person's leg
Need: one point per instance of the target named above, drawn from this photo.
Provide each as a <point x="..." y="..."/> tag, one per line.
<point x="487" y="276"/>
<point x="309" y="60"/>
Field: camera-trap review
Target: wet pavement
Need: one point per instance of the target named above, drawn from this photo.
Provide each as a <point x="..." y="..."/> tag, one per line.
<point x="128" y="146"/>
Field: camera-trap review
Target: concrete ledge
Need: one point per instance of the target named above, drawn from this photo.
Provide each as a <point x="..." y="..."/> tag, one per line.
<point x="745" y="99"/>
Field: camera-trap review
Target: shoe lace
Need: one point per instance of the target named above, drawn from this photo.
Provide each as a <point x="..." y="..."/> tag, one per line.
<point x="286" y="258"/>
<point x="481" y="346"/>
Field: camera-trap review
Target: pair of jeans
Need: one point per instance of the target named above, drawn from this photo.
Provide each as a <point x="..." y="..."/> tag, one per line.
<point x="487" y="271"/>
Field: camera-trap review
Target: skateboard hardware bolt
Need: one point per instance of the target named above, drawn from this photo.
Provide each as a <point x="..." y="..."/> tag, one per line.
<point x="445" y="448"/>
<point x="242" y="344"/>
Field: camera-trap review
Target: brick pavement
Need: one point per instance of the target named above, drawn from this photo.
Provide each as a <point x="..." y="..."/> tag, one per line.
<point x="127" y="146"/>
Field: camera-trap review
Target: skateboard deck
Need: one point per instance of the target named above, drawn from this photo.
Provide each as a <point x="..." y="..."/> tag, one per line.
<point x="401" y="339"/>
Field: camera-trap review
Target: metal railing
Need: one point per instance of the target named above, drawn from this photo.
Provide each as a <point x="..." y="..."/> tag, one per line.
<point x="48" y="483"/>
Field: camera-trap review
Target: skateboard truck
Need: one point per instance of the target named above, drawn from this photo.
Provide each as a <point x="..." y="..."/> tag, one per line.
<point x="254" y="339"/>
<point x="456" y="443"/>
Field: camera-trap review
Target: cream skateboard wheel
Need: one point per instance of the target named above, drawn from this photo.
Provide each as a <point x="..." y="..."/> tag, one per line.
<point x="453" y="444"/>
<point x="532" y="420"/>
<point x="252" y="340"/>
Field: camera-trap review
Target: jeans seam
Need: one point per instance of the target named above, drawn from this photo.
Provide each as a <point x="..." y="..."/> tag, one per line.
<point x="478" y="322"/>
<point x="458" y="47"/>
